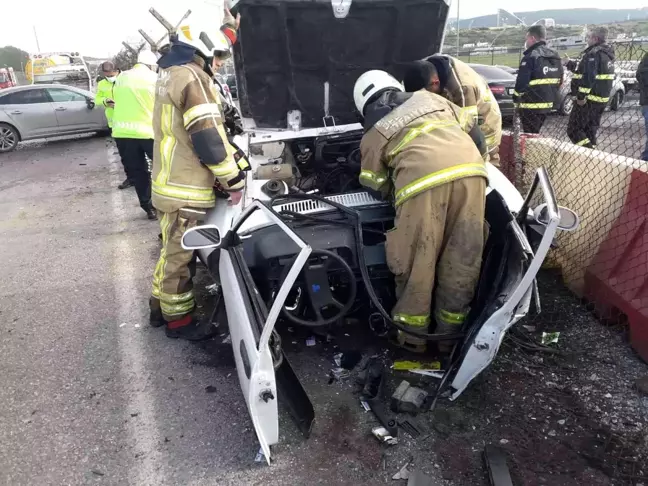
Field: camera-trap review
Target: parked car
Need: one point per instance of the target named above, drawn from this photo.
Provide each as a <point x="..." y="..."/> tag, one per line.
<point x="231" y="82"/>
<point x="501" y="84"/>
<point x="508" y="69"/>
<point x="566" y="103"/>
<point x="47" y="110"/>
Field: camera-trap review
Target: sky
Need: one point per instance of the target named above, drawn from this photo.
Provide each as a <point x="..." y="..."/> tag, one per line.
<point x="71" y="25"/>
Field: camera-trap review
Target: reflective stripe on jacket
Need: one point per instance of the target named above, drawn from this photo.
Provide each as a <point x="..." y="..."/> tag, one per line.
<point x="539" y="79"/>
<point x="594" y="75"/>
<point x="104" y="92"/>
<point x="419" y="145"/>
<point x="468" y="90"/>
<point x="191" y="148"/>
<point x="134" y="95"/>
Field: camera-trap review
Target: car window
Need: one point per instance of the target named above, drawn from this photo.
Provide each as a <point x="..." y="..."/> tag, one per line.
<point x="25" y="97"/>
<point x="492" y="72"/>
<point x="60" y="95"/>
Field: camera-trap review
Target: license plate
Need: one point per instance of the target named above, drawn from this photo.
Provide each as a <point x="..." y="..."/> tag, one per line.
<point x="509" y="91"/>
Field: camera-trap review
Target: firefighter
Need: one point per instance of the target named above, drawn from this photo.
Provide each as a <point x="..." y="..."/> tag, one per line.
<point x="104" y="97"/>
<point x="456" y="81"/>
<point x="133" y="95"/>
<point x="591" y="85"/>
<point x="538" y="80"/>
<point x="192" y="154"/>
<point x="416" y="150"/>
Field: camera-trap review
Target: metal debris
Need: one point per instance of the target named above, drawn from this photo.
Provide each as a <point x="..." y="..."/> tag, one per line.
<point x="260" y="457"/>
<point x="213" y="289"/>
<point x="383" y="436"/>
<point x="550" y="337"/>
<point x="498" y="471"/>
<point x="403" y="473"/>
<point x="310" y="342"/>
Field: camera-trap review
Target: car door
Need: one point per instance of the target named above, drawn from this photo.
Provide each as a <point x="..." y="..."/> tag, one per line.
<point x="30" y="111"/>
<point x="73" y="110"/>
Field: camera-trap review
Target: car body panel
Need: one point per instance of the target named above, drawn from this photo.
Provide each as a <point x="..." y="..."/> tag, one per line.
<point x="73" y="111"/>
<point x="48" y="119"/>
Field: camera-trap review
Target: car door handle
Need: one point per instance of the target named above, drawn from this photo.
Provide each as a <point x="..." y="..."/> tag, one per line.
<point x="16" y="112"/>
<point x="61" y="108"/>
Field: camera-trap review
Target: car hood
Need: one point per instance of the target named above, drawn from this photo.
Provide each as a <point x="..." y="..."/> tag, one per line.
<point x="306" y="55"/>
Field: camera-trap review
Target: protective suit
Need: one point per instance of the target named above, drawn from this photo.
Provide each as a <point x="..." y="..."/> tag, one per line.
<point x="420" y="153"/>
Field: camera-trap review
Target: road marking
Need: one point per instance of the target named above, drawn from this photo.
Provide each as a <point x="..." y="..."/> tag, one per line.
<point x="144" y="431"/>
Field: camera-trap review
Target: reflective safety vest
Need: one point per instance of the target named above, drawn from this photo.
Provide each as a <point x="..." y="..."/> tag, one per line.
<point x="105" y="92"/>
<point x="421" y="144"/>
<point x="192" y="151"/>
<point x="134" y="96"/>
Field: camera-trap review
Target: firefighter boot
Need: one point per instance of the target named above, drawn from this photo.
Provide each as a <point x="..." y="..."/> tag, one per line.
<point x="190" y="329"/>
<point x="410" y="342"/>
<point x="155" y="317"/>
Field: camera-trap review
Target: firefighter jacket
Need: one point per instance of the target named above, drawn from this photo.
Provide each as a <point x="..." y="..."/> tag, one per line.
<point x="594" y="74"/>
<point x="419" y="145"/>
<point x="539" y="79"/>
<point x="468" y="90"/>
<point x="134" y="95"/>
<point x="192" y="151"/>
<point x="105" y="92"/>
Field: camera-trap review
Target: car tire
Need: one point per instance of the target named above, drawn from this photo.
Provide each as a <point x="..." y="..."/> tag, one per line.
<point x="566" y="106"/>
<point x="9" y="138"/>
<point x="617" y="101"/>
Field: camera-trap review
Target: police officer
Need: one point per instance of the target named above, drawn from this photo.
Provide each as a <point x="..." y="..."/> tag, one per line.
<point x="591" y="85"/>
<point x="192" y="154"/>
<point x="459" y="83"/>
<point x="134" y="94"/>
<point x="538" y="80"/>
<point x="416" y="149"/>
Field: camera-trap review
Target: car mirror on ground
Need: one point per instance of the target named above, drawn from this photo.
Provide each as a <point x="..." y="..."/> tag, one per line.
<point x="569" y="220"/>
<point x="201" y="237"/>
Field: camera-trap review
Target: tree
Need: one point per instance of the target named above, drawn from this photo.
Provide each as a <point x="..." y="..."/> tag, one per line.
<point x="13" y="57"/>
<point x="126" y="58"/>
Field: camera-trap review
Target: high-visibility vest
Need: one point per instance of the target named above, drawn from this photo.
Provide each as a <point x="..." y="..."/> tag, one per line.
<point x="105" y="92"/>
<point x="134" y="96"/>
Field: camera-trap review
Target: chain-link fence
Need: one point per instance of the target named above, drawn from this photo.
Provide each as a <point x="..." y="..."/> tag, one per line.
<point x="604" y="262"/>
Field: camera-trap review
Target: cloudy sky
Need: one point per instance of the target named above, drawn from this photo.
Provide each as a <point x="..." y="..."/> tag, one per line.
<point x="71" y="25"/>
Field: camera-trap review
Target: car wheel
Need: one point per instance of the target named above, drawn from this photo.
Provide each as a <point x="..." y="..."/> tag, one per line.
<point x="566" y="106"/>
<point x="9" y="138"/>
<point x="617" y="101"/>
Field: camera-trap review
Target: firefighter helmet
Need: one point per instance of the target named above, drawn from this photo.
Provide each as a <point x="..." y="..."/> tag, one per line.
<point x="209" y="42"/>
<point x="371" y="84"/>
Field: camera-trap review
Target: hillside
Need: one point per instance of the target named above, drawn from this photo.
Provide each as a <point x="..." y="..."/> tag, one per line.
<point x="572" y="16"/>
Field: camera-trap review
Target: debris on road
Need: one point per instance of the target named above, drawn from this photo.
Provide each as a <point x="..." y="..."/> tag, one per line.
<point x="96" y="472"/>
<point x="403" y="473"/>
<point x="383" y="436"/>
<point x="411" y="427"/>
<point x="407" y="398"/>
<point x="498" y="471"/>
<point x="338" y="374"/>
<point x="642" y="384"/>
<point x="406" y="365"/>
<point x="260" y="456"/>
<point x="210" y="389"/>
<point x="213" y="289"/>
<point x="310" y="342"/>
<point x="550" y="338"/>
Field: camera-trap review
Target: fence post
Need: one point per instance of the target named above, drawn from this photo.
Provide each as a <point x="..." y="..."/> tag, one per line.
<point x="492" y="57"/>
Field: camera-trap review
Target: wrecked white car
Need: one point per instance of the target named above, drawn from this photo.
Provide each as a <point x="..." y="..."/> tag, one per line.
<point x="306" y="242"/>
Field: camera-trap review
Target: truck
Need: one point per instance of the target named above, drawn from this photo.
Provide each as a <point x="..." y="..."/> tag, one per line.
<point x="66" y="68"/>
<point x="7" y="78"/>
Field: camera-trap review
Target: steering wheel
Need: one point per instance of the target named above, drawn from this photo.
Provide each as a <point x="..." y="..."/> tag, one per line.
<point x="315" y="278"/>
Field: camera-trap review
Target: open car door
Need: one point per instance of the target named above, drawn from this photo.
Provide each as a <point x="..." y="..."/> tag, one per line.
<point x="263" y="370"/>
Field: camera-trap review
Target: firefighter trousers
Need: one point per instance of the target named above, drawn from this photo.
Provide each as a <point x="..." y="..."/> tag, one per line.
<point x="532" y="121"/>
<point x="437" y="245"/>
<point x="172" y="280"/>
<point x="584" y="123"/>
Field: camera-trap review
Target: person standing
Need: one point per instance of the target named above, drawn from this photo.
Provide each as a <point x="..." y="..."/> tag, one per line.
<point x="418" y="150"/>
<point x="192" y="155"/>
<point x="642" y="78"/>
<point x="591" y="86"/>
<point x="459" y="83"/>
<point x="104" y="97"/>
<point x="538" y="80"/>
<point x="133" y="96"/>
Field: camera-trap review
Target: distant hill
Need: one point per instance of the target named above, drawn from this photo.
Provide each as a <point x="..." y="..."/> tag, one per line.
<point x="572" y="16"/>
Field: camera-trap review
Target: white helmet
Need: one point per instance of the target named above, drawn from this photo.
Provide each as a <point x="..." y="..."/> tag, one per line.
<point x="209" y="42"/>
<point x="147" y="57"/>
<point x="372" y="83"/>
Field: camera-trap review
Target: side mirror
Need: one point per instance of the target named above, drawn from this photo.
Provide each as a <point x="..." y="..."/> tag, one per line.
<point x="569" y="220"/>
<point x="206" y="236"/>
<point x="90" y="103"/>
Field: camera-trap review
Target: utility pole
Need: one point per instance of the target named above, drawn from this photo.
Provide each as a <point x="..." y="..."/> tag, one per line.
<point x="458" y="28"/>
<point x="36" y="37"/>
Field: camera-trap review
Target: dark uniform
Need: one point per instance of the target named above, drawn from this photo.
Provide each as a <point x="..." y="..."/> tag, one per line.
<point x="537" y="85"/>
<point x="592" y="82"/>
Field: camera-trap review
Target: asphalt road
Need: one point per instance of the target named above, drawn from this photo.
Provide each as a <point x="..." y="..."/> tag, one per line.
<point x="90" y="394"/>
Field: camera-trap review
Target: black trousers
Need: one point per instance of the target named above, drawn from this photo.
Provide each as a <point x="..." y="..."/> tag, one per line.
<point x="133" y="152"/>
<point x="584" y="123"/>
<point x="532" y="121"/>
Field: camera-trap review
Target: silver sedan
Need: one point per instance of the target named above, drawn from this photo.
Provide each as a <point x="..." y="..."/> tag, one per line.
<point x="47" y="110"/>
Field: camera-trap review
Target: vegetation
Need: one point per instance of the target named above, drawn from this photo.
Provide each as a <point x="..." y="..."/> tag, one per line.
<point x="14" y="57"/>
